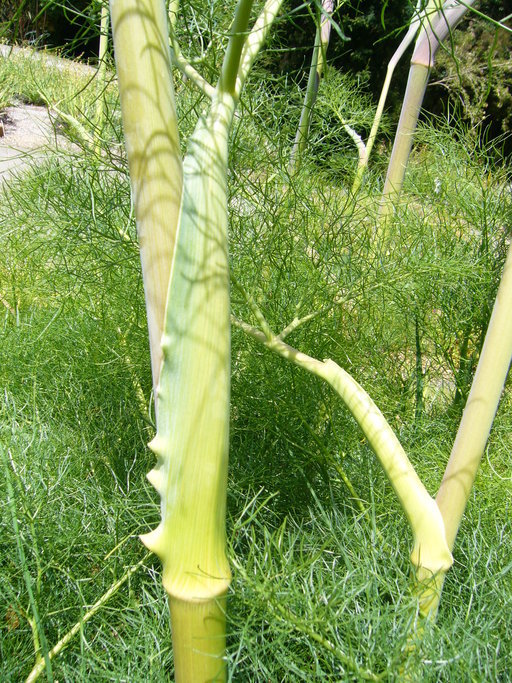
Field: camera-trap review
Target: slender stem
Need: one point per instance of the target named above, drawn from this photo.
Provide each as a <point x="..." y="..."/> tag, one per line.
<point x="190" y="72"/>
<point x="65" y="640"/>
<point x="256" y="310"/>
<point x="303" y="626"/>
<point x="418" y="411"/>
<point x="406" y="41"/>
<point x="362" y="151"/>
<point x="301" y="137"/>
<point x="297" y="322"/>
<point x="318" y="59"/>
<point x="102" y="70"/>
<point x="255" y="40"/>
<point x="177" y="57"/>
<point x="174" y="7"/>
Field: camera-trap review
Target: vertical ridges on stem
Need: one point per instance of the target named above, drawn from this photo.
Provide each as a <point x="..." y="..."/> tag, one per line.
<point x="191" y="444"/>
<point x="193" y="418"/>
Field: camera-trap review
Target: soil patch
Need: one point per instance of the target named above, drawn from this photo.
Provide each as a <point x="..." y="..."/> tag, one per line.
<point x="27" y="132"/>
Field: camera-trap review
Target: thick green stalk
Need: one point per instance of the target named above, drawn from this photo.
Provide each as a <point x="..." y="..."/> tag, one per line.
<point x="191" y="444"/>
<point x="152" y="144"/>
<point x="237" y="38"/>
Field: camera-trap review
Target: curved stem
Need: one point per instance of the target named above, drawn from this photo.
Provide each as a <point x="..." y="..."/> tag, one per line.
<point x="179" y="60"/>
<point x="406" y="41"/>
<point x="237" y="38"/>
<point x="255" y="40"/>
<point x="430" y="554"/>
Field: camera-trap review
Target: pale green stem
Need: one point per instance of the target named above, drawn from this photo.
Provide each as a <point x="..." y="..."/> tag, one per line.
<point x="256" y="310"/>
<point x="473" y="432"/>
<point x="174" y="7"/>
<point x="74" y="124"/>
<point x="102" y="70"/>
<point x="318" y="58"/>
<point x="480" y="409"/>
<point x="430" y="553"/>
<point x="191" y="444"/>
<point x="255" y="40"/>
<point x="199" y="627"/>
<point x="413" y="99"/>
<point x="297" y="322"/>
<point x="65" y="640"/>
<point x="141" y="42"/>
<point x="362" y="151"/>
<point x="436" y="29"/>
<point x="190" y="72"/>
<point x="301" y="137"/>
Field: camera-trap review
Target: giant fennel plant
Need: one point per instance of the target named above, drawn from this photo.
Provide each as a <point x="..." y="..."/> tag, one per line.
<point x="181" y="210"/>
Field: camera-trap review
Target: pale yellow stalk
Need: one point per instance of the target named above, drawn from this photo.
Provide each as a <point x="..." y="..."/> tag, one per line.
<point x="152" y="144"/>
<point x="436" y="27"/>
<point x="480" y="409"/>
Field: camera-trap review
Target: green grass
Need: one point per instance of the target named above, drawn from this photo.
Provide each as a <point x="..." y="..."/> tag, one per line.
<point x="321" y="569"/>
<point x="71" y="89"/>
